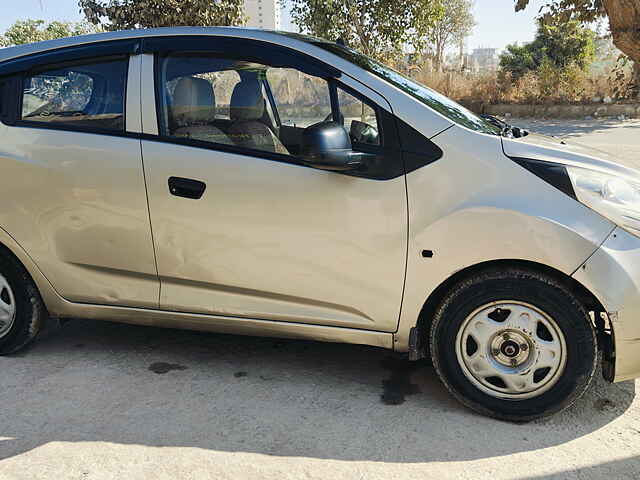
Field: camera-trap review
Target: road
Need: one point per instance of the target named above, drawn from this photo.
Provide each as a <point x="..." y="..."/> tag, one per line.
<point x="99" y="400"/>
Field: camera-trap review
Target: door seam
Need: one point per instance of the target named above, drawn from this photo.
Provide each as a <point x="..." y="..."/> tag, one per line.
<point x="146" y="192"/>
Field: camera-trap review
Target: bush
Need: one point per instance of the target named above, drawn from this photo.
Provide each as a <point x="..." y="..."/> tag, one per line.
<point x="557" y="46"/>
<point x="547" y="85"/>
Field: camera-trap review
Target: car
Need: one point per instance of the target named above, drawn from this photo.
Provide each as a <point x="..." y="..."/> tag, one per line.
<point x="276" y="184"/>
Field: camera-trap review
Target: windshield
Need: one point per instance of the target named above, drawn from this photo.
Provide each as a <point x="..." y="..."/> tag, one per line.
<point x="443" y="105"/>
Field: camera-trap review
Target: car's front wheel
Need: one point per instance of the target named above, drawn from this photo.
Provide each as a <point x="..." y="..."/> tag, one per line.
<point x="513" y="344"/>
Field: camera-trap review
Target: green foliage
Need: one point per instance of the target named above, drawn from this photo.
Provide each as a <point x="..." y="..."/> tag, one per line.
<point x="558" y="44"/>
<point x="565" y="43"/>
<point x="378" y="28"/>
<point x="127" y="14"/>
<point x="28" y="31"/>
<point x="518" y="60"/>
<point x="623" y="16"/>
<point x="583" y="10"/>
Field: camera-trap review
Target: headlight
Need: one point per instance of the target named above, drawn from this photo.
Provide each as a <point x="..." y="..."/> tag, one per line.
<point x="611" y="196"/>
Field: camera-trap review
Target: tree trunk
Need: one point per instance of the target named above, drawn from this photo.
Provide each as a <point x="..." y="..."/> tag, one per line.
<point x="439" y="57"/>
<point x="624" y="20"/>
<point x="636" y="79"/>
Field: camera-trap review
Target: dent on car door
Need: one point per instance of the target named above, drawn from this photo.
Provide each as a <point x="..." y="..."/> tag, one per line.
<point x="267" y="237"/>
<point x="73" y="191"/>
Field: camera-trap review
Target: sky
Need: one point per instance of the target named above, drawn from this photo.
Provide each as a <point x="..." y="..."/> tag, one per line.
<point x="497" y="24"/>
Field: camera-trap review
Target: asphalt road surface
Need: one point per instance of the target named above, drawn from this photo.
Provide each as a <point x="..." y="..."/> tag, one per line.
<point x="100" y="400"/>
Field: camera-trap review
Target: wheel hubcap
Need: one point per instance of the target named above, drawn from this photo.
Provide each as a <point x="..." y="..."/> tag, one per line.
<point x="511" y="350"/>
<point x="7" y="307"/>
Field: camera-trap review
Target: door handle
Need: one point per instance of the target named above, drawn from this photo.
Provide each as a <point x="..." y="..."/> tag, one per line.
<point x="186" y="187"/>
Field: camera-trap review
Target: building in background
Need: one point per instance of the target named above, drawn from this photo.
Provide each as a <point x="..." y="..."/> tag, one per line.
<point x="263" y="14"/>
<point x="483" y="60"/>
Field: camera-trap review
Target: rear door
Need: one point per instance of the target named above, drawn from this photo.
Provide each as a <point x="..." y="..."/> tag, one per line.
<point x="264" y="236"/>
<point x="72" y="183"/>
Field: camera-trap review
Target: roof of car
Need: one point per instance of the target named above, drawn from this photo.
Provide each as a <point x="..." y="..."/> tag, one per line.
<point x="11" y="53"/>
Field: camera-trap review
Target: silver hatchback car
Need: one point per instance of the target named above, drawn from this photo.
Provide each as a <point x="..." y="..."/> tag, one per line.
<point x="275" y="184"/>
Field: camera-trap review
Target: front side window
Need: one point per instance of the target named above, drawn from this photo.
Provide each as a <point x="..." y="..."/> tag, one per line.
<point x="82" y="96"/>
<point x="250" y="105"/>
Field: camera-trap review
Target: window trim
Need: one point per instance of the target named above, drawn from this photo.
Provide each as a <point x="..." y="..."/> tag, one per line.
<point x="20" y="122"/>
<point x="65" y="54"/>
<point x="257" y="50"/>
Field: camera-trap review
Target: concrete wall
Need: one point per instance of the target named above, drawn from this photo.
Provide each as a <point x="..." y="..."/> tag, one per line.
<point x="597" y="110"/>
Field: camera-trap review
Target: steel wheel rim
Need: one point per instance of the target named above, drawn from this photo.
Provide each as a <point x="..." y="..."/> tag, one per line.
<point x="7" y="307"/>
<point x="520" y="351"/>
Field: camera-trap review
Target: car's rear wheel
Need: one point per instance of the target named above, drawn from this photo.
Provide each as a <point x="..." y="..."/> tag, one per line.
<point x="513" y="344"/>
<point x="22" y="312"/>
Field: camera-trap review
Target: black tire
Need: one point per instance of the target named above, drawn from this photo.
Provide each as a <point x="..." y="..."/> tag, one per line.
<point x="30" y="313"/>
<point x="541" y="291"/>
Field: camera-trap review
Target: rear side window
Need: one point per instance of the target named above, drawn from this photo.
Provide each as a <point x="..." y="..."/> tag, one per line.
<point x="82" y="96"/>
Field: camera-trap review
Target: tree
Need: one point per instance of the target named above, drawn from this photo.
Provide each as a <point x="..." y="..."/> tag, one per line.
<point x="454" y="26"/>
<point x="559" y="44"/>
<point x="378" y="28"/>
<point x="623" y="15"/>
<point x="28" y="31"/>
<point x="518" y="60"/>
<point x="127" y="14"/>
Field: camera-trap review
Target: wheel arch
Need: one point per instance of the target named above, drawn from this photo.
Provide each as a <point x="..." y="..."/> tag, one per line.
<point x="9" y="246"/>
<point x="418" y="342"/>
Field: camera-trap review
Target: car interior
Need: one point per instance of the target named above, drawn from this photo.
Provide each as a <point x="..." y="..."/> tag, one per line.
<point x="193" y="113"/>
<point x="191" y="110"/>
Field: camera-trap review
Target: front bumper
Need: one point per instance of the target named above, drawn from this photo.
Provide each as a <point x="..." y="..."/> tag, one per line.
<point x="612" y="274"/>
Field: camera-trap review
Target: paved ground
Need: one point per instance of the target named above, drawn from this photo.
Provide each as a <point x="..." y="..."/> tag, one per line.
<point x="108" y="401"/>
<point x="618" y="138"/>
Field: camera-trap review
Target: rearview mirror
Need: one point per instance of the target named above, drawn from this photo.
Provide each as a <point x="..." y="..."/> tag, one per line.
<point x="326" y="145"/>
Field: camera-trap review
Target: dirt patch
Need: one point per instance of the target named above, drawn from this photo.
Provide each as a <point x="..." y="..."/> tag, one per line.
<point x="163" y="367"/>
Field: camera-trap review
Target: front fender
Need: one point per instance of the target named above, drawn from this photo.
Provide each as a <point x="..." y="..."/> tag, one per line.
<point x="475" y="205"/>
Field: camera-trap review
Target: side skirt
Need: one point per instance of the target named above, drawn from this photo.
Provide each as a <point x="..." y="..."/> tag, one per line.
<point x="220" y="324"/>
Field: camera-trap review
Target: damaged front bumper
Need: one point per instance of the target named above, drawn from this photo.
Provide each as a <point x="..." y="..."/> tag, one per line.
<point x="612" y="274"/>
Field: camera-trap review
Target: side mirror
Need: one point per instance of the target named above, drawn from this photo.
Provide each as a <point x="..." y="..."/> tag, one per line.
<point x="326" y="145"/>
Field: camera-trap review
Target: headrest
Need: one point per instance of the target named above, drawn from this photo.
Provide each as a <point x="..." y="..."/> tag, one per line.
<point x="193" y="102"/>
<point x="247" y="102"/>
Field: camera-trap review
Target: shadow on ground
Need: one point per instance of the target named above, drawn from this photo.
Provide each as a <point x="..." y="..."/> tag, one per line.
<point x="626" y="468"/>
<point x="99" y="381"/>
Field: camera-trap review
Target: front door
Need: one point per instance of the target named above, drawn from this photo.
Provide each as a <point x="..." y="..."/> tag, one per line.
<point x="241" y="227"/>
